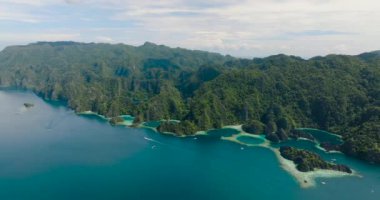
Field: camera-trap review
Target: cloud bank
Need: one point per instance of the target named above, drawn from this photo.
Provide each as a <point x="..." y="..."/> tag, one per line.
<point x="247" y="28"/>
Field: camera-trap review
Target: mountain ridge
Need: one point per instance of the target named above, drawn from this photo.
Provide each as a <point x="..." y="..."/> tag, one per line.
<point x="147" y="43"/>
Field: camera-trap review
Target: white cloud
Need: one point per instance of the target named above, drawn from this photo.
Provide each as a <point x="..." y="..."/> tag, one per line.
<point x="18" y="17"/>
<point x="33" y="37"/>
<point x="263" y="24"/>
<point x="27" y="2"/>
<point x="246" y="27"/>
<point x="104" y="39"/>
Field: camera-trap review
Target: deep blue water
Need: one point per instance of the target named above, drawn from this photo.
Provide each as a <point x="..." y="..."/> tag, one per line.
<point x="48" y="152"/>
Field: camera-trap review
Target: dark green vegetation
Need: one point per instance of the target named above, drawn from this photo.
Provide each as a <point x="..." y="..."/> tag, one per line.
<point x="116" y="120"/>
<point x="182" y="128"/>
<point x="336" y="93"/>
<point x="308" y="161"/>
<point x="254" y="127"/>
<point x="330" y="147"/>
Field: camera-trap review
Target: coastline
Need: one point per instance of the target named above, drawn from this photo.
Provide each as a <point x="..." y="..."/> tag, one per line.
<point x="318" y="146"/>
<point x="314" y="129"/>
<point x="308" y="179"/>
<point x="234" y="138"/>
<point x="304" y="179"/>
<point x="126" y="122"/>
<point x="91" y="113"/>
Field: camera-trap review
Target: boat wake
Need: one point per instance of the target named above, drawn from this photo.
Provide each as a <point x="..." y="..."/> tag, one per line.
<point x="152" y="140"/>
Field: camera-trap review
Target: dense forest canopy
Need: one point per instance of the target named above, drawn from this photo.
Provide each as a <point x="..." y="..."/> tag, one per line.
<point x="203" y="90"/>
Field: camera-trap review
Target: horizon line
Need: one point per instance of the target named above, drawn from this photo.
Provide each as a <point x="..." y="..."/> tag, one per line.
<point x="184" y="48"/>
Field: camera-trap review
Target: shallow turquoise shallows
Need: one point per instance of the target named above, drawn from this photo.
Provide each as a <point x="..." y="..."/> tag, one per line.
<point x="48" y="152"/>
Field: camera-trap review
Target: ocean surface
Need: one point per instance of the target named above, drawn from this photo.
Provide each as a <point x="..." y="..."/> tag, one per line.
<point x="49" y="152"/>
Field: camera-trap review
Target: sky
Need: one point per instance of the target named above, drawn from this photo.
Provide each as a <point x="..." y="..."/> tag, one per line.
<point x="245" y="28"/>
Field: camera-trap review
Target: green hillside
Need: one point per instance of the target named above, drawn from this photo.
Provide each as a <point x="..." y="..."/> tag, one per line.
<point x="337" y="93"/>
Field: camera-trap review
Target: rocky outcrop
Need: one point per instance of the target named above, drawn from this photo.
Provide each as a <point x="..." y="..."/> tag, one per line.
<point x="330" y="147"/>
<point x="28" y="105"/>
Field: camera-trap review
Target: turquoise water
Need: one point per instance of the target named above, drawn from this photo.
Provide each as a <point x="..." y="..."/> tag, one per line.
<point x="48" y="152"/>
<point x="128" y="117"/>
<point x="323" y="136"/>
<point x="152" y="124"/>
<point x="250" y="140"/>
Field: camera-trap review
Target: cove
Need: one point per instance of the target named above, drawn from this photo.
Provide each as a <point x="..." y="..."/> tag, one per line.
<point x="49" y="152"/>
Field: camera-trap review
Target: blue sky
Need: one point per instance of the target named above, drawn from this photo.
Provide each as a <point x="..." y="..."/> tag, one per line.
<point x="245" y="28"/>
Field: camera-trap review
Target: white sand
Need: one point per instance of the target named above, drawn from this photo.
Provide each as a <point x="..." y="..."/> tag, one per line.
<point x="236" y="127"/>
<point x="318" y="146"/>
<point x="125" y="123"/>
<point x="128" y="122"/>
<point x="307" y="179"/>
<point x="171" y="120"/>
<point x="93" y="113"/>
<point x="201" y="133"/>
<point x="233" y="138"/>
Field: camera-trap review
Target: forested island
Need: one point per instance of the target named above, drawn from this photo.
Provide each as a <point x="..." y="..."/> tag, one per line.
<point x="307" y="161"/>
<point x="271" y="96"/>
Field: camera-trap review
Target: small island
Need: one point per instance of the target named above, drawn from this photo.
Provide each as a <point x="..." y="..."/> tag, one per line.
<point x="307" y="161"/>
<point x="28" y="105"/>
